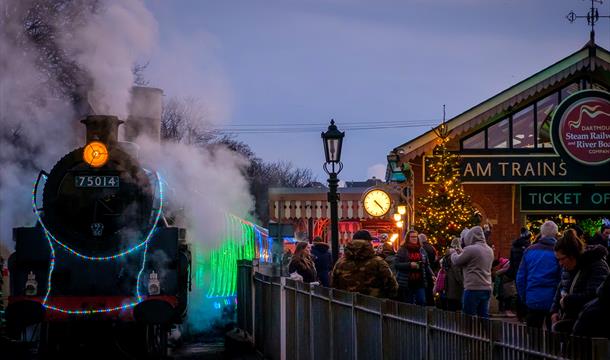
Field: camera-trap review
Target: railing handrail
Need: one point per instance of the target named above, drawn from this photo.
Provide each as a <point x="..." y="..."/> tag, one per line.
<point x="438" y="330"/>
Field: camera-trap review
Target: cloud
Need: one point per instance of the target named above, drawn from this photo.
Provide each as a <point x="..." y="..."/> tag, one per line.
<point x="377" y="170"/>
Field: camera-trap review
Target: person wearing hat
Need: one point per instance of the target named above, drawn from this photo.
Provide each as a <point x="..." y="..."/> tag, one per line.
<point x="360" y="270"/>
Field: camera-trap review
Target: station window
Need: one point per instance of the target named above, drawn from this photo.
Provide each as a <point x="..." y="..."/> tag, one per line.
<point x="476" y="141"/>
<point x="497" y="135"/>
<point x="569" y="90"/>
<point x="523" y="128"/>
<point x="544" y="111"/>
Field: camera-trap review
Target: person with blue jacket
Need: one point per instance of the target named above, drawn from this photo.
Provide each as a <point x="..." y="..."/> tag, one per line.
<point x="538" y="276"/>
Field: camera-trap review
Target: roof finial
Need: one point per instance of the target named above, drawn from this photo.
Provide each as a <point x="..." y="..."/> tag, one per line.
<point x="592" y="17"/>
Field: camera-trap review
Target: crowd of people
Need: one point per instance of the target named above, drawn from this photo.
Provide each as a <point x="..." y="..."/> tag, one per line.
<point x="560" y="283"/>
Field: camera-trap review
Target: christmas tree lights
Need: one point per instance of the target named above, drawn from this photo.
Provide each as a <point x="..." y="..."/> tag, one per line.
<point x="445" y="209"/>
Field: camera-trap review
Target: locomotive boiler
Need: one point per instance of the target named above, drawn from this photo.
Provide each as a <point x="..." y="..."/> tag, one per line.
<point x="102" y="254"/>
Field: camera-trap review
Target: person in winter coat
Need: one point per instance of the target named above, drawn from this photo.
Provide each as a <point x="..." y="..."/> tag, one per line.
<point x="584" y="270"/>
<point x="475" y="260"/>
<point x="388" y="255"/>
<point x="323" y="260"/>
<point x="516" y="254"/>
<point x="412" y="270"/>
<point x="453" y="287"/>
<point x="302" y="263"/>
<point x="594" y="318"/>
<point x="360" y="270"/>
<point x="431" y="254"/>
<point x="504" y="287"/>
<point x="538" y="276"/>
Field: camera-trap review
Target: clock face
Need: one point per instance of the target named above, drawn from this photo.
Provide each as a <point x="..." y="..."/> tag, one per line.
<point x="377" y="202"/>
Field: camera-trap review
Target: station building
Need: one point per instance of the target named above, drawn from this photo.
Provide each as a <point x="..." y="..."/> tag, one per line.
<point x="307" y="210"/>
<point x="537" y="150"/>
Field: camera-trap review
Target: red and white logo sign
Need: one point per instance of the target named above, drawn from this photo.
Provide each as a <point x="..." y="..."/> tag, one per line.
<point x="584" y="130"/>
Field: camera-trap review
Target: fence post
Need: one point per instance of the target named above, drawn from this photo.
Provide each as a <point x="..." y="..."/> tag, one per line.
<point x="428" y="332"/>
<point x="331" y="323"/>
<point x="600" y="348"/>
<point x="354" y="330"/>
<point x="491" y="337"/>
<point x="310" y="323"/>
<point x="282" y="318"/>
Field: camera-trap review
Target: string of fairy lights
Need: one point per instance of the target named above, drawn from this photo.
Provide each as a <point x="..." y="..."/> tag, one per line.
<point x="51" y="239"/>
<point x="240" y="242"/>
<point x="242" y="239"/>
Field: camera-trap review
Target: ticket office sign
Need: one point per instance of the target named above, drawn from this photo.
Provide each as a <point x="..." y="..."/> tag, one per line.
<point x="565" y="198"/>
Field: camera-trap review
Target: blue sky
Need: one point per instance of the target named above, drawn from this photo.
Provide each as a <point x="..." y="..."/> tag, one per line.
<point x="289" y="62"/>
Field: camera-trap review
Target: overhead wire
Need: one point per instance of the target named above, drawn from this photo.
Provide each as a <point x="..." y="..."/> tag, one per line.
<point x="269" y="128"/>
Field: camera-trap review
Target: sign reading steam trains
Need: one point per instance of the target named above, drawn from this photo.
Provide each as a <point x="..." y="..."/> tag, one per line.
<point x="580" y="133"/>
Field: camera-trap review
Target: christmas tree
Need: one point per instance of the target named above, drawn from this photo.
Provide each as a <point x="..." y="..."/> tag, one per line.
<point x="445" y="209"/>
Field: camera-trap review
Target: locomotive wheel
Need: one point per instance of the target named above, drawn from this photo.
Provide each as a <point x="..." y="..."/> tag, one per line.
<point x="156" y="341"/>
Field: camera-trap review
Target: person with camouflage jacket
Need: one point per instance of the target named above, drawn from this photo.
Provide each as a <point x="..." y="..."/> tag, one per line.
<point x="360" y="270"/>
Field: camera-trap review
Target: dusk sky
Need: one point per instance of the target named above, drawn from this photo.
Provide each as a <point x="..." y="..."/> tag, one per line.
<point x="284" y="68"/>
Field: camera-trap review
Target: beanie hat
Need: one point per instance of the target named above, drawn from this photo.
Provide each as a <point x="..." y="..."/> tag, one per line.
<point x="422" y="238"/>
<point x="362" y="235"/>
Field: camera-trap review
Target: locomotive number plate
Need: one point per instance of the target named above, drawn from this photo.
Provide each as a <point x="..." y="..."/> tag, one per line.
<point x="96" y="181"/>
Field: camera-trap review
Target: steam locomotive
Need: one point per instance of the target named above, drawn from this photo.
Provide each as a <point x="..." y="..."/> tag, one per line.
<point x="102" y="257"/>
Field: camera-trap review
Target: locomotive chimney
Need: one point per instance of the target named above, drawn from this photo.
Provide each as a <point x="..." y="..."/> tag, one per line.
<point x="144" y="113"/>
<point x="102" y="128"/>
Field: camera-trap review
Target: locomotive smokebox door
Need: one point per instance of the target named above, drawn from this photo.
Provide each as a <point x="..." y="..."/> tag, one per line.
<point x="98" y="198"/>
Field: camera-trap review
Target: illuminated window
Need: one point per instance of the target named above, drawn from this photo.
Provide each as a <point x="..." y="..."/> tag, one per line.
<point x="544" y="111"/>
<point x="497" y="135"/>
<point x="523" y="128"/>
<point x="477" y="141"/>
<point x="569" y="90"/>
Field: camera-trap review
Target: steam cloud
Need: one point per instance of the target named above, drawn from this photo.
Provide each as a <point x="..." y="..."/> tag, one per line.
<point x="107" y="46"/>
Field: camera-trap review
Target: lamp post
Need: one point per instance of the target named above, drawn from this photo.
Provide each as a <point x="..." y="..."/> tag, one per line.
<point x="401" y="174"/>
<point x="333" y="141"/>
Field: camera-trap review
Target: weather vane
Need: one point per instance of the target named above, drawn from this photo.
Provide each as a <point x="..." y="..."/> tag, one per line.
<point x="592" y="17"/>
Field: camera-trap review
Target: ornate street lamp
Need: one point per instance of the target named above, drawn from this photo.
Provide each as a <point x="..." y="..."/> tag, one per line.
<point x="333" y="141"/>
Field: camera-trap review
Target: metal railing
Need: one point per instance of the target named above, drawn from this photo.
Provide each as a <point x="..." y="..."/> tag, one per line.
<point x="293" y="320"/>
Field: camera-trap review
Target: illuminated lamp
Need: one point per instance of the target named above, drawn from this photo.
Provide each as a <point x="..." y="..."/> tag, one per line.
<point x="393" y="237"/>
<point x="400" y="224"/>
<point x="402" y="209"/>
<point x="397" y="217"/>
<point x="95" y="154"/>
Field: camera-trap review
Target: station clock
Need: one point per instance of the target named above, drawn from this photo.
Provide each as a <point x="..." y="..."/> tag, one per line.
<point x="377" y="202"/>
